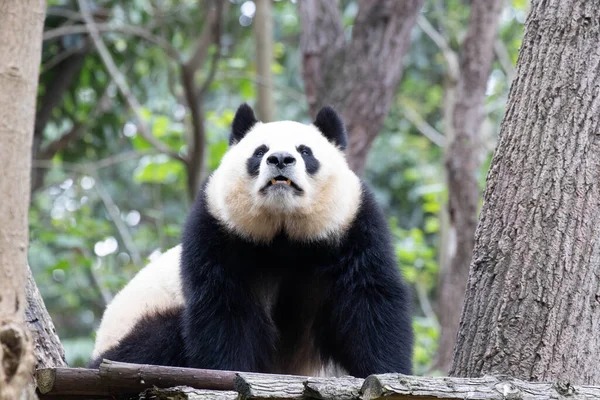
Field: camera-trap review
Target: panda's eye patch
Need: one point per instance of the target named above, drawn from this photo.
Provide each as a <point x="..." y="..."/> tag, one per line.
<point x="304" y="150"/>
<point x="253" y="162"/>
<point x="311" y="163"/>
<point x="260" y="151"/>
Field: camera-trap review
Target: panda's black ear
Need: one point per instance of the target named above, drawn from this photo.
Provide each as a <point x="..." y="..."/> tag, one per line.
<point x="332" y="127"/>
<point x="243" y="121"/>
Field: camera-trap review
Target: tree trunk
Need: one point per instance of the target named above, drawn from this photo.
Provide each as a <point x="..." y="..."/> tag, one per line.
<point x="358" y="78"/>
<point x="263" y="35"/>
<point x="48" y="349"/>
<point x="211" y="34"/>
<point x="463" y="161"/>
<point x="21" y="25"/>
<point x="532" y="303"/>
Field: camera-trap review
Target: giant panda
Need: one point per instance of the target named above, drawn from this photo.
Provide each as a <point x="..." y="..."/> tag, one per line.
<point x="285" y="266"/>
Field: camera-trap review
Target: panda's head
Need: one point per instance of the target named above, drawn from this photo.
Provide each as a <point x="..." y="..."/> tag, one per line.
<point x="285" y="177"/>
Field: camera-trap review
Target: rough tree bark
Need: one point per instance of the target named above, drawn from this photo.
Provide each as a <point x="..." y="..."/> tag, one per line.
<point x="532" y="303"/>
<point x="21" y="25"/>
<point x="263" y="36"/>
<point x="48" y="349"/>
<point x="359" y="77"/>
<point x="463" y="160"/>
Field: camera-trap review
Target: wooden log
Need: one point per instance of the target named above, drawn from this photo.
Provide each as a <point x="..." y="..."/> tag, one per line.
<point x="70" y="381"/>
<point x="187" y="393"/>
<point x="403" y="387"/>
<point x="342" y="388"/>
<point x="120" y="380"/>
<point x="267" y="386"/>
<point x="141" y="376"/>
<point x="123" y="378"/>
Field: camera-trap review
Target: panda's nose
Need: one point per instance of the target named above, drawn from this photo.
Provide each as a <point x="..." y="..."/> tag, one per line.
<point x="281" y="160"/>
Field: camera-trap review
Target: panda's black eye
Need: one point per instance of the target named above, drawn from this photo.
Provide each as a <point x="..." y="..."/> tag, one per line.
<point x="260" y="151"/>
<point x="305" y="151"/>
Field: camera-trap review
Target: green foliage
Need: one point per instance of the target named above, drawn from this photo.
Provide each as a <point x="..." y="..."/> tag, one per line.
<point x="81" y="256"/>
<point x="417" y="260"/>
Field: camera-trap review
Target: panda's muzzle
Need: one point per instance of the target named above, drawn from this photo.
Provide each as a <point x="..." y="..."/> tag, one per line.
<point x="282" y="182"/>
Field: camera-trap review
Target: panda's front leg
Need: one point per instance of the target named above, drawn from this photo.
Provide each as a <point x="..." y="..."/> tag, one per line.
<point x="226" y="329"/>
<point x="369" y="328"/>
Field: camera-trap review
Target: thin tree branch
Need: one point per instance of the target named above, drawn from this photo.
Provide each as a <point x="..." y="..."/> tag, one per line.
<point x="63" y="12"/>
<point x="495" y="105"/>
<point x="104" y="293"/>
<point x="440" y="14"/>
<point x="159" y="17"/>
<point x="123" y="230"/>
<point x="110" y="27"/>
<point x="214" y="62"/>
<point x="290" y="92"/>
<point x="425" y="303"/>
<point x="55" y="89"/>
<point x="206" y="38"/>
<point x="217" y="30"/>
<point x="196" y="140"/>
<point x="61" y="143"/>
<point x="57" y="59"/>
<point x="426" y="130"/>
<point x="118" y="158"/>
<point x="85" y="168"/>
<point x="452" y="61"/>
<point x="92" y="170"/>
<point x="119" y="79"/>
<point x="74" y="16"/>
<point x="433" y="34"/>
<point x="504" y="59"/>
<point x="159" y="220"/>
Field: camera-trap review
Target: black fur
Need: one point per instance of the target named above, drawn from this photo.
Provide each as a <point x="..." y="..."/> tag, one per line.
<point x="243" y="121"/>
<point x="347" y="301"/>
<point x="312" y="164"/>
<point x="276" y="307"/>
<point x="253" y="163"/>
<point x="155" y="340"/>
<point x="332" y="127"/>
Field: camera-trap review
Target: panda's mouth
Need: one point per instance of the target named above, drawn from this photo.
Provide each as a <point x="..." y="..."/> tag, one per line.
<point x="281" y="181"/>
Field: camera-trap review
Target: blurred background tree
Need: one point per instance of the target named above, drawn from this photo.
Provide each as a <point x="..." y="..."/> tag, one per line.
<point x="132" y="117"/>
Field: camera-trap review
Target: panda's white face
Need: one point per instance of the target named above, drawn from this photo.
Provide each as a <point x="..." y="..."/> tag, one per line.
<point x="284" y="176"/>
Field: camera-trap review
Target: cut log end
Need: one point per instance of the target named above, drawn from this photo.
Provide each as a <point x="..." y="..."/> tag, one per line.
<point x="45" y="379"/>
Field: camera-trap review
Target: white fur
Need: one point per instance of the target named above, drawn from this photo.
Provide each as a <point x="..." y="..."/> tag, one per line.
<point x="331" y="369"/>
<point x="157" y="287"/>
<point x="325" y="210"/>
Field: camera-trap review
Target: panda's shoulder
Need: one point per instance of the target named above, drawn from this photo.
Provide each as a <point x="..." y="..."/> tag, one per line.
<point x="204" y="238"/>
<point x="200" y="225"/>
<point x="369" y="213"/>
<point x="369" y="229"/>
